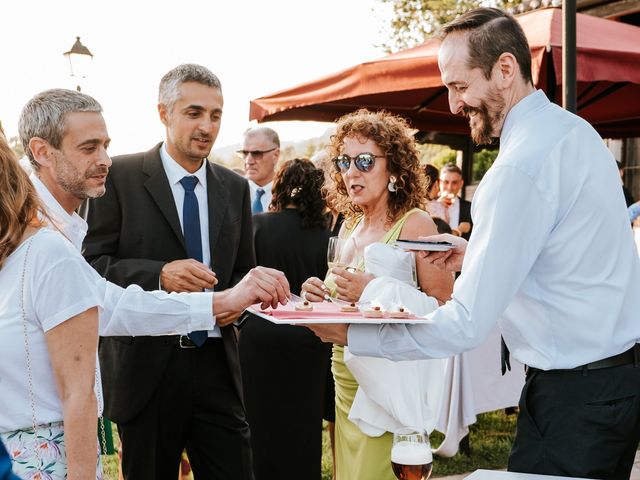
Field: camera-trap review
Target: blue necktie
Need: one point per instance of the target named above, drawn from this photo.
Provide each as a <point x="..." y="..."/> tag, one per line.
<point x="192" y="238"/>
<point x="256" y="206"/>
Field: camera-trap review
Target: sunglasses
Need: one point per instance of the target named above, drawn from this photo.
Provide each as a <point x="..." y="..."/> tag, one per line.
<point x="363" y="162"/>
<point x="256" y="154"/>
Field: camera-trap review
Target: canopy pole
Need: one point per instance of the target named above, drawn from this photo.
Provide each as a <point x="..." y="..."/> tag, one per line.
<point x="569" y="55"/>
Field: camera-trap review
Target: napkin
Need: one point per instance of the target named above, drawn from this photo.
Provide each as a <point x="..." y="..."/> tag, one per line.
<point x="396" y="397"/>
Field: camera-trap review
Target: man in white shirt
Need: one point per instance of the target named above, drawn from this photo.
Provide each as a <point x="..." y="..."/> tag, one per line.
<point x="65" y="139"/>
<point x="260" y="152"/>
<point x="551" y="260"/>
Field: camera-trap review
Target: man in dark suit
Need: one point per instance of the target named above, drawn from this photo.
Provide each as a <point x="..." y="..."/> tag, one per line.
<point x="169" y="219"/>
<point x="458" y="209"/>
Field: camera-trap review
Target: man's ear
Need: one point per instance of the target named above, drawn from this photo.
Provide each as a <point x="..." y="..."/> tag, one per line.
<point x="507" y="69"/>
<point x="42" y="151"/>
<point x="164" y="114"/>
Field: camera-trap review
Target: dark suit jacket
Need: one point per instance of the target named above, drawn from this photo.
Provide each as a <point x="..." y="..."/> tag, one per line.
<point x="134" y="230"/>
<point x="465" y="215"/>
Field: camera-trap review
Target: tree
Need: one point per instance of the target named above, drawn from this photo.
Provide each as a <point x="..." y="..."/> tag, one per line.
<point x="16" y="146"/>
<point x="414" y="21"/>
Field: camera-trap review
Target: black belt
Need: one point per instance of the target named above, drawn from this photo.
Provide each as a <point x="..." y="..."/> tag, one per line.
<point x="184" y="342"/>
<point x="630" y="356"/>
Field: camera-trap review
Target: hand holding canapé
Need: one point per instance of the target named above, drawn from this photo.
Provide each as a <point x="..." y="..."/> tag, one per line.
<point x="186" y="275"/>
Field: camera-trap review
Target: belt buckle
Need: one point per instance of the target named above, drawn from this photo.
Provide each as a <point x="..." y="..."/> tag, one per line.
<point x="186" y="345"/>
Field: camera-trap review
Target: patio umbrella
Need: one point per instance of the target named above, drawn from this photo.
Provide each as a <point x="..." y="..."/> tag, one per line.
<point x="408" y="82"/>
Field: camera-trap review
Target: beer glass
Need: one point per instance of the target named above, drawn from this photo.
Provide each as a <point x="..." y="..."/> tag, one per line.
<point x="411" y="456"/>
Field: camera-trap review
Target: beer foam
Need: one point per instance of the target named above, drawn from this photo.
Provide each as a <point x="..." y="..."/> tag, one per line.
<point x="411" y="453"/>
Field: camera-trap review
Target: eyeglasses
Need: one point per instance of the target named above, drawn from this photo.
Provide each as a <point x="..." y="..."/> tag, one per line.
<point x="363" y="162"/>
<point x="256" y="154"/>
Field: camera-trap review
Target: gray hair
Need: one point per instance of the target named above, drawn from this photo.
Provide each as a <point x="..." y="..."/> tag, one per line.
<point x="168" y="92"/>
<point x="270" y="134"/>
<point x="44" y="116"/>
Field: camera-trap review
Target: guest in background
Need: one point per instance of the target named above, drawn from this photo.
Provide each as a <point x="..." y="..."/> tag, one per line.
<point x="435" y="208"/>
<point x="260" y="152"/>
<point x="458" y="210"/>
<point x="628" y="198"/>
<point x="380" y="188"/>
<point x="284" y="368"/>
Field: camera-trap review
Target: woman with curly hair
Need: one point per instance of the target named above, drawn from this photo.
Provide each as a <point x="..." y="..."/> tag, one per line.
<point x="379" y="187"/>
<point x="284" y="368"/>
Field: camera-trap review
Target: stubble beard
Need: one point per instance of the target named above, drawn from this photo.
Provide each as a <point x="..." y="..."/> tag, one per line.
<point x="75" y="183"/>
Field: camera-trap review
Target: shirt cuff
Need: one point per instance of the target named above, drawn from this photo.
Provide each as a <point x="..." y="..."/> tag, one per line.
<point x="201" y="311"/>
<point x="363" y="339"/>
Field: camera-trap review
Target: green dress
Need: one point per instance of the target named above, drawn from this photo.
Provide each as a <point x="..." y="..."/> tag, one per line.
<point x="358" y="456"/>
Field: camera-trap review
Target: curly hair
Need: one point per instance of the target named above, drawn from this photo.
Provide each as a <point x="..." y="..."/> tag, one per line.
<point x="393" y="135"/>
<point x="19" y="202"/>
<point x="298" y="183"/>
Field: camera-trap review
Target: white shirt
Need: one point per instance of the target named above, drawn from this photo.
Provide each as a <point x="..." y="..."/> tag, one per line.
<point x="175" y="173"/>
<point x="551" y="258"/>
<point x="265" y="200"/>
<point x="132" y="311"/>
<point x="58" y="285"/>
<point x="453" y="212"/>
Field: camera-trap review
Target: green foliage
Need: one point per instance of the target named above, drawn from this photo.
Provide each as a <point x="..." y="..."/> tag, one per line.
<point x="436" y="155"/>
<point x="414" y="21"/>
<point x="482" y="160"/>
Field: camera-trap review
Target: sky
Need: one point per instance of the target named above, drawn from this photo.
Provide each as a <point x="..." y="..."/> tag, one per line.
<point x="255" y="47"/>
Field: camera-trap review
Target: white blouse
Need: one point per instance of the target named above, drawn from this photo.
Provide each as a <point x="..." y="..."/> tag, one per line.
<point x="58" y="285"/>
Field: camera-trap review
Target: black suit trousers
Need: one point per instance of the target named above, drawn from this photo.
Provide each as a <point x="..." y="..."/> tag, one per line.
<point x="195" y="407"/>
<point x="579" y="425"/>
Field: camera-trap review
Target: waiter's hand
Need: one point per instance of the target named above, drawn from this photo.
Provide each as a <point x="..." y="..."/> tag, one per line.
<point x="350" y="283"/>
<point x="330" y="332"/>
<point x="262" y="285"/>
<point x="186" y="275"/>
<point x="451" y="260"/>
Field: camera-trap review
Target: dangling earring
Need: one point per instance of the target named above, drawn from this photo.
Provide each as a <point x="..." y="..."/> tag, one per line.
<point x="391" y="186"/>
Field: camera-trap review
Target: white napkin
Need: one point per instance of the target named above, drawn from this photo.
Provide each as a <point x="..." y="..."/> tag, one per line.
<point x="382" y="259"/>
<point x="396" y="396"/>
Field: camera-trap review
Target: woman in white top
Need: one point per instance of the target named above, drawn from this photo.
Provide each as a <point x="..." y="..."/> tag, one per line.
<point x="48" y="339"/>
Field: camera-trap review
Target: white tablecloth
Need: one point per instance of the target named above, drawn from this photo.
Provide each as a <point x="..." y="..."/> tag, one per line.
<point x="474" y="384"/>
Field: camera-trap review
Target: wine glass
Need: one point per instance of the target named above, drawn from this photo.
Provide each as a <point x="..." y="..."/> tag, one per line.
<point x="411" y="457"/>
<point x="340" y="252"/>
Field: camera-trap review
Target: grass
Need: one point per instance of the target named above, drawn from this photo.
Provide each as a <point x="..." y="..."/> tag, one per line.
<point x="491" y="438"/>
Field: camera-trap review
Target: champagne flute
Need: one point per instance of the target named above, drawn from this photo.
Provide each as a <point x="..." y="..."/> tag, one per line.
<point x="411" y="457"/>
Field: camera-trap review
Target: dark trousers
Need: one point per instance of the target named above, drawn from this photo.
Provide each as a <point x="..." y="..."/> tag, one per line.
<point x="579" y="424"/>
<point x="197" y="408"/>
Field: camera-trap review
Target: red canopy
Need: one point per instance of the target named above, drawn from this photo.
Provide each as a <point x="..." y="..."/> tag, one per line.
<point x="408" y="82"/>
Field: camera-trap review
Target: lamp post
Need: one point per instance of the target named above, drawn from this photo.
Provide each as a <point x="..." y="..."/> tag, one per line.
<point x="79" y="60"/>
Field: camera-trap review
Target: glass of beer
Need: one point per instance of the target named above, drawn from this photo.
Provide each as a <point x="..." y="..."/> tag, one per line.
<point x="411" y="456"/>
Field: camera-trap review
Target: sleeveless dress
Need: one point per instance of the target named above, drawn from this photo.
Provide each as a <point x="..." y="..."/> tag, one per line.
<point x="358" y="456"/>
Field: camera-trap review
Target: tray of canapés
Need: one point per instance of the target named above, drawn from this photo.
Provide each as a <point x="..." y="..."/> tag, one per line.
<point x="332" y="310"/>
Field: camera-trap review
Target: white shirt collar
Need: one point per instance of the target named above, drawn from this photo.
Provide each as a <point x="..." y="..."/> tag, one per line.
<point x="524" y="107"/>
<point x="72" y="226"/>
<point x="254" y="186"/>
<point x="175" y="172"/>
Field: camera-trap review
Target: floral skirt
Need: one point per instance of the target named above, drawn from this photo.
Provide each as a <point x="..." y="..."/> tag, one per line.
<point x="51" y="461"/>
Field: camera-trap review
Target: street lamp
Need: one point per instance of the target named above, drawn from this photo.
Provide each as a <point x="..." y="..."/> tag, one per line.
<point x="79" y="60"/>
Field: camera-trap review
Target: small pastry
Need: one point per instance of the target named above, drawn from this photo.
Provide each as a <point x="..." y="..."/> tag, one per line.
<point x="304" y="306"/>
<point x="349" y="308"/>
<point x="400" y="313"/>
<point x="375" y="312"/>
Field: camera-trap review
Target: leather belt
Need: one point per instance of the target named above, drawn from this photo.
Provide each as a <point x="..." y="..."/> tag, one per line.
<point x="184" y="342"/>
<point x="630" y="356"/>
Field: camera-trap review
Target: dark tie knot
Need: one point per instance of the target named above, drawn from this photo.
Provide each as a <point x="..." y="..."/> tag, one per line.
<point x="189" y="183"/>
<point x="259" y="192"/>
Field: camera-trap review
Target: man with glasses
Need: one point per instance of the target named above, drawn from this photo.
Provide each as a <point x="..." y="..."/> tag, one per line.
<point x="260" y="152"/>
